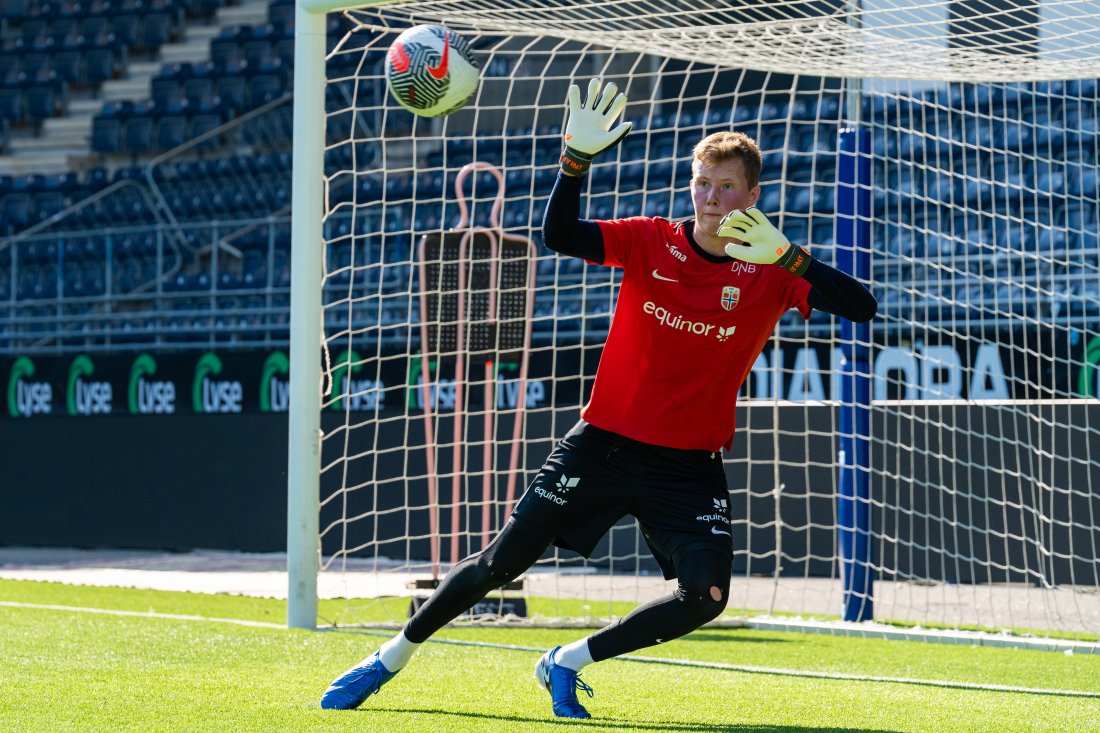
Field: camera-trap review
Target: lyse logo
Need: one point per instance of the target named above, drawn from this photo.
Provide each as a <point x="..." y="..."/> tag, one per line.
<point x="221" y="397"/>
<point x="86" y="397"/>
<point x="214" y="395"/>
<point x="33" y="398"/>
<point x="363" y="394"/>
<point x="26" y="398"/>
<point x="277" y="395"/>
<point x="274" y="386"/>
<point x="349" y="393"/>
<point x="441" y="391"/>
<point x="507" y="390"/>
<point x="90" y="398"/>
<point x="155" y="398"/>
<point x="147" y="396"/>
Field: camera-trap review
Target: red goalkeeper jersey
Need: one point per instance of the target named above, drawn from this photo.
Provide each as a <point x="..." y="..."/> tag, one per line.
<point x="686" y="332"/>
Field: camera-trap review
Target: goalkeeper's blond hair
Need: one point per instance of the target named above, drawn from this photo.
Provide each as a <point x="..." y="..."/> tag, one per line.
<point x="722" y="146"/>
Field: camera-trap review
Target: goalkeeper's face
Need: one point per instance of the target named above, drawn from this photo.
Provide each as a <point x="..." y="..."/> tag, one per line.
<point x="716" y="190"/>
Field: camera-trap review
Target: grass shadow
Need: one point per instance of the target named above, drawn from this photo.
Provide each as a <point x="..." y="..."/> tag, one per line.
<point x="619" y="723"/>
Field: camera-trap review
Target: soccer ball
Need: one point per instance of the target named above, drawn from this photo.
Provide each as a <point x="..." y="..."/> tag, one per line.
<point x="430" y="71"/>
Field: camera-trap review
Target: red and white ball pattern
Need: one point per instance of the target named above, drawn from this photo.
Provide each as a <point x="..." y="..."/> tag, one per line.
<point x="430" y="70"/>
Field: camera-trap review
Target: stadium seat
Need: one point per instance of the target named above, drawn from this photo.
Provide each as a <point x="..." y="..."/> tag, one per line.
<point x="203" y="123"/>
<point x="231" y="87"/>
<point x="171" y="131"/>
<point x="156" y="30"/>
<point x="137" y="130"/>
<point x="226" y="47"/>
<point x="11" y="104"/>
<point x="165" y="87"/>
<point x="102" y="62"/>
<point x="268" y="84"/>
<point x="258" y="44"/>
<point x="106" y="134"/>
<point x="18" y="210"/>
<point x="280" y="14"/>
<point x="43" y="102"/>
<point x="126" y="28"/>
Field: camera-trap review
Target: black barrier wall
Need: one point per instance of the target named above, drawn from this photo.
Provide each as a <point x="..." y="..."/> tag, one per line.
<point x="179" y="482"/>
<point x="219" y="482"/>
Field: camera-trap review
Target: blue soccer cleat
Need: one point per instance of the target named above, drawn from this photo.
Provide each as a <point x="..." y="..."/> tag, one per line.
<point x="357" y="684"/>
<point x="562" y="683"/>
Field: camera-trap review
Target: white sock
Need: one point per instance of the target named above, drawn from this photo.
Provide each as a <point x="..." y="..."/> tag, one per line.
<point x="397" y="652"/>
<point x="574" y="656"/>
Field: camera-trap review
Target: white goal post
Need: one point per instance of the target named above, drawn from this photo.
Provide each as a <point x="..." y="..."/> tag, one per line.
<point x="936" y="469"/>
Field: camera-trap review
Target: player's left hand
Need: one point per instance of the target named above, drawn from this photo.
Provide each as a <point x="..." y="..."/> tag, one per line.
<point x="762" y="243"/>
<point x="588" y="130"/>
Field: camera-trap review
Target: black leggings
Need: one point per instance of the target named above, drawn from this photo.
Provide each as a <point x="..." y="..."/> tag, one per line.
<point x="700" y="596"/>
<point x="703" y="584"/>
<point x="518" y="546"/>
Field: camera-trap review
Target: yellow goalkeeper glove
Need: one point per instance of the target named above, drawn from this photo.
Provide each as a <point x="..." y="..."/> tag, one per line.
<point x="588" y="131"/>
<point x="762" y="243"/>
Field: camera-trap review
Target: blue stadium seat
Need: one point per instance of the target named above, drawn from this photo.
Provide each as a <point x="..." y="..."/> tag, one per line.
<point x="166" y="87"/>
<point x="126" y="28"/>
<point x="171" y="131"/>
<point x="268" y="84"/>
<point x="45" y="95"/>
<point x="203" y="122"/>
<point x="797" y="199"/>
<point x="101" y="62"/>
<point x="198" y="85"/>
<point x="258" y="44"/>
<point x="106" y="134"/>
<point x="280" y="14"/>
<point x="231" y="87"/>
<point x="11" y="104"/>
<point x="227" y="46"/>
<point x="137" y="130"/>
<point x="156" y="30"/>
<point x="17" y="210"/>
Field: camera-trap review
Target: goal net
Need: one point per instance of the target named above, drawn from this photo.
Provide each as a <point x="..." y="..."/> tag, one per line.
<point x="456" y="349"/>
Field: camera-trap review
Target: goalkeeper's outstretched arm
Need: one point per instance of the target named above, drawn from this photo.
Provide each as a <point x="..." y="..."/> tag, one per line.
<point x="757" y="240"/>
<point x="839" y="293"/>
<point x="588" y="133"/>
<point x="562" y="228"/>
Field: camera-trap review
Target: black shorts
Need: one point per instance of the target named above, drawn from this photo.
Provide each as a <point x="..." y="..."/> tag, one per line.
<point x="595" y="477"/>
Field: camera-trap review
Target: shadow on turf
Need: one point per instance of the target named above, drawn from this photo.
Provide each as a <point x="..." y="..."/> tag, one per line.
<point x="618" y="724"/>
<point x="730" y="636"/>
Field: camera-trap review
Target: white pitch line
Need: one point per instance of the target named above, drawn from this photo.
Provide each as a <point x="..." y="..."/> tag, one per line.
<point x="866" y="678"/>
<point x="144" y="614"/>
<point x="745" y="669"/>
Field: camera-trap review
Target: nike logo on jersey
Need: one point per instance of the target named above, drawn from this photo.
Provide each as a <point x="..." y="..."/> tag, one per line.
<point x="659" y="276"/>
<point x="440" y="71"/>
<point x="715" y="530"/>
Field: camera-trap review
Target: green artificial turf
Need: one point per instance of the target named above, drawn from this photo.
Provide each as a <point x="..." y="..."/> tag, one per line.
<point x="73" y="670"/>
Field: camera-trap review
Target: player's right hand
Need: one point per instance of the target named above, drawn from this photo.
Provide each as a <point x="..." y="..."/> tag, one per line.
<point x="588" y="131"/>
<point x="761" y="242"/>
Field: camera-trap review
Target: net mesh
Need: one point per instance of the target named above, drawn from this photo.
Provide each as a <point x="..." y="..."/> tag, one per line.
<point x="984" y="261"/>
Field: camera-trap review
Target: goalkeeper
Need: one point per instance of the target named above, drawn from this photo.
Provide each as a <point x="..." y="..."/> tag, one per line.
<point x="699" y="300"/>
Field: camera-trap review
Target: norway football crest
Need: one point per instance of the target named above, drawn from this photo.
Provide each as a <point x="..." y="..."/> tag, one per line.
<point x="730" y="296"/>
